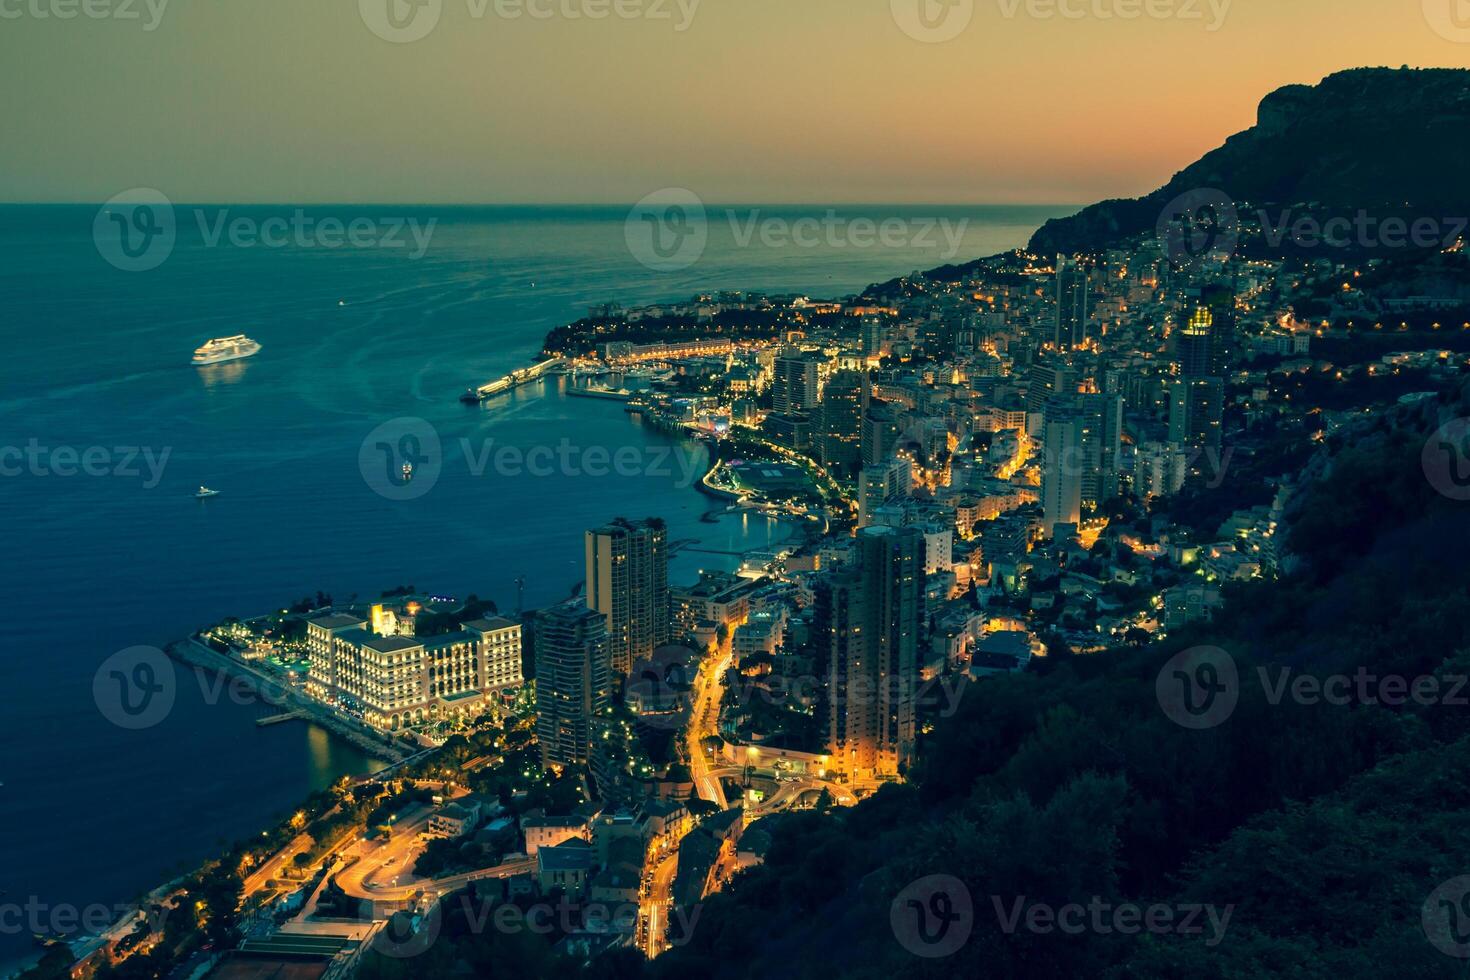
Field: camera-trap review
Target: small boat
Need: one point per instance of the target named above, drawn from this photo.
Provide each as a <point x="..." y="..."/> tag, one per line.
<point x="205" y="492"/>
<point x="407" y="472"/>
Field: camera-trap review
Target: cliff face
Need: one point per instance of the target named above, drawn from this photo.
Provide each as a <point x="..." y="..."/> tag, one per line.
<point x="1366" y="138"/>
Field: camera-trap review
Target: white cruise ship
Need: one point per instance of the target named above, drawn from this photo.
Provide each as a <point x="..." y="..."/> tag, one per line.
<point x="223" y="349"/>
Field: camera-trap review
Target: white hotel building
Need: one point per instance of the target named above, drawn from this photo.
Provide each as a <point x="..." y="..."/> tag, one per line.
<point x="395" y="682"/>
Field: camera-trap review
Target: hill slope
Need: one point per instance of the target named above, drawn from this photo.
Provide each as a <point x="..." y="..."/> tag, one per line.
<point x="1367" y="138"/>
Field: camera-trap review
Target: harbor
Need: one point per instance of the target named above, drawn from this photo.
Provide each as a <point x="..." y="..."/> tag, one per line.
<point x="514" y="380"/>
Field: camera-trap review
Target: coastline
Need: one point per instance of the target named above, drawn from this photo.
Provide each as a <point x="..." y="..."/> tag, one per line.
<point x="272" y="691"/>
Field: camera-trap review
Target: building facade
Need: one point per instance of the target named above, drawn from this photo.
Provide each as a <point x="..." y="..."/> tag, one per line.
<point x="868" y="625"/>
<point x="628" y="582"/>
<point x="573" y="681"/>
<point x="397" y="682"/>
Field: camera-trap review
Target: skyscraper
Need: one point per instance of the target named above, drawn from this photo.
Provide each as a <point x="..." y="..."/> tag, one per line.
<point x="573" y="681"/>
<point x="796" y="384"/>
<point x="840" y="439"/>
<point x="1102" y="446"/>
<point x="1073" y="304"/>
<point x="1047" y="379"/>
<point x="1197" y="399"/>
<point x="1063" y="463"/>
<point x="880" y="432"/>
<point x="877" y="485"/>
<point x="628" y="582"/>
<point x="868" y="621"/>
<point x="873" y="332"/>
<point x="1219" y="299"/>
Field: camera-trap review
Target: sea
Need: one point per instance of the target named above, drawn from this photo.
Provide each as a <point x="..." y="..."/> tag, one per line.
<point x="372" y="323"/>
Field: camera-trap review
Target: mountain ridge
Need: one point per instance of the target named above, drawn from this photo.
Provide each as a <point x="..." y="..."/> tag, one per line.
<point x="1362" y="138"/>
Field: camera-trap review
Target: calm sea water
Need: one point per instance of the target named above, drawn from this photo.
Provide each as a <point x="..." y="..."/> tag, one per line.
<point x="96" y="359"/>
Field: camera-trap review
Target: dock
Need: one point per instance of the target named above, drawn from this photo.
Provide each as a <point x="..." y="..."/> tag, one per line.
<point x="281" y="718"/>
<point x="515" y="379"/>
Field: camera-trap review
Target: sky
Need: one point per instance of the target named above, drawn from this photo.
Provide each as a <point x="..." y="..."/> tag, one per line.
<point x="741" y="101"/>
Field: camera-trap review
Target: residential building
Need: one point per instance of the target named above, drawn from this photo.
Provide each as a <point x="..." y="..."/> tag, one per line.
<point x="868" y="625"/>
<point x="573" y="681"/>
<point x="628" y="582"/>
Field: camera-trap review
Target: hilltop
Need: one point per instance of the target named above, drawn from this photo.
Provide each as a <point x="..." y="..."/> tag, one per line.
<point x="1374" y="138"/>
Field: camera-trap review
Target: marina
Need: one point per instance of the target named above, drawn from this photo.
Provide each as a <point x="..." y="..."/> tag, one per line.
<point x="514" y="380"/>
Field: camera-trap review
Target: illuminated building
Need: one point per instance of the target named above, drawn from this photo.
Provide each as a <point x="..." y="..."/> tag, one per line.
<point x="395" y="682"/>
<point x="839" y="439"/>
<point x="628" y="582"/>
<point x="573" y="681"/>
<point x="867" y="627"/>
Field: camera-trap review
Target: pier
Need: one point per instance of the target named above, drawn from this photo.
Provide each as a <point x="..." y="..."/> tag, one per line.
<point x="281" y="718"/>
<point x="515" y="379"/>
